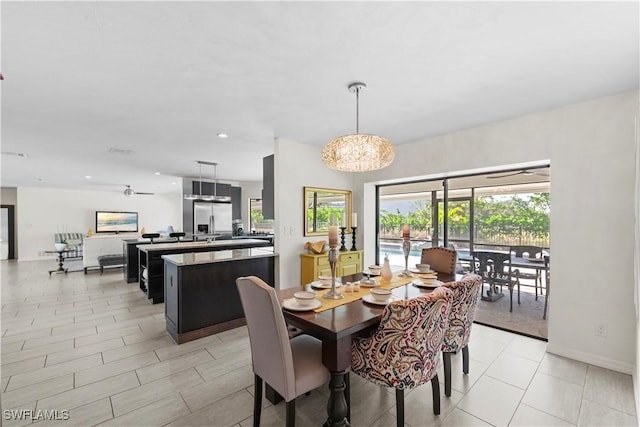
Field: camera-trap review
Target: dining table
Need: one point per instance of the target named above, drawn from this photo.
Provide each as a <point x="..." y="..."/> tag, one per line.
<point x="338" y="324"/>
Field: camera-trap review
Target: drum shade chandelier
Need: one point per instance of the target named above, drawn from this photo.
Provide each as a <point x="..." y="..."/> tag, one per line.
<point x="358" y="152"/>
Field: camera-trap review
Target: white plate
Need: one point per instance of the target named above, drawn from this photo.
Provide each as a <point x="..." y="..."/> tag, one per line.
<point x="319" y="285"/>
<point x="414" y="270"/>
<point x="429" y="284"/>
<point x="292" y="304"/>
<point x="369" y="285"/>
<point x="369" y="298"/>
<point x="371" y="272"/>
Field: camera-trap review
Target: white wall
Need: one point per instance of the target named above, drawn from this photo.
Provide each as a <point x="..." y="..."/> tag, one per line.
<point x="590" y="147"/>
<point x="636" y="375"/>
<point x="42" y="212"/>
<point x="297" y="166"/>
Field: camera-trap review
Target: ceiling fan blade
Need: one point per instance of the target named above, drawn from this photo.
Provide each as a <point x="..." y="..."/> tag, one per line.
<point x="145" y="194"/>
<point x="504" y="176"/>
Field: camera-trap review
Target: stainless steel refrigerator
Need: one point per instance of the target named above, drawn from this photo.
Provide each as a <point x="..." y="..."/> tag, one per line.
<point x="212" y="218"/>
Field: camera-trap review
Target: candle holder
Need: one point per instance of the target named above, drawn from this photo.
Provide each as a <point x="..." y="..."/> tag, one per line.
<point x="342" y="246"/>
<point x="333" y="260"/>
<point x="353" y="238"/>
<point x="406" y="248"/>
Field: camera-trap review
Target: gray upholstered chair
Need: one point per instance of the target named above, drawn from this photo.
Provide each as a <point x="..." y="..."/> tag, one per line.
<point x="442" y="260"/>
<point x="463" y="309"/>
<point x="291" y="367"/>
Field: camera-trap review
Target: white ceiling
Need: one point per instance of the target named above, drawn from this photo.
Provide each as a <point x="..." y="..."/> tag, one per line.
<point x="161" y="79"/>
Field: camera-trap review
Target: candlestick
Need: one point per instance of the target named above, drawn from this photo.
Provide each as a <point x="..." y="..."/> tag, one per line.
<point x="405" y="231"/>
<point x="342" y="246"/>
<point x="333" y="236"/>
<point x="406" y="248"/>
<point x="354" y="220"/>
<point x="333" y="260"/>
<point x="353" y="238"/>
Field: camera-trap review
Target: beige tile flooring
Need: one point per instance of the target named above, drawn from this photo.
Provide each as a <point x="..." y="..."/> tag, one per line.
<point x="93" y="346"/>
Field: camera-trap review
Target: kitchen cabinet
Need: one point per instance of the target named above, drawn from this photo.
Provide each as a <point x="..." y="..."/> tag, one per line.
<point x="208" y="190"/>
<point x="314" y="265"/>
<point x="236" y="203"/>
<point x="268" y="184"/>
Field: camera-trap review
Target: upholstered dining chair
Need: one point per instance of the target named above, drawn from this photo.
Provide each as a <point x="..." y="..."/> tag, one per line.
<point x="442" y="260"/>
<point x="532" y="252"/>
<point x="291" y="367"/>
<point x="404" y="351"/>
<point x="466" y="292"/>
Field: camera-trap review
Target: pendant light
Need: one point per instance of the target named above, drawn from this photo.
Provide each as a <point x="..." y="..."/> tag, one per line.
<point x="358" y="152"/>
<point x="214" y="197"/>
<point x="196" y="196"/>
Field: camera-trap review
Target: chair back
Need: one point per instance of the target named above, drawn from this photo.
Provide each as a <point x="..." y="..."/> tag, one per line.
<point x="442" y="260"/>
<point x="532" y="251"/>
<point x="494" y="267"/>
<point x="463" y="309"/>
<point x="405" y="349"/>
<point x="270" y="348"/>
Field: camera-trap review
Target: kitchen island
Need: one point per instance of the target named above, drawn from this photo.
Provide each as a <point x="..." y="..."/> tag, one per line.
<point x="151" y="264"/>
<point x="201" y="297"/>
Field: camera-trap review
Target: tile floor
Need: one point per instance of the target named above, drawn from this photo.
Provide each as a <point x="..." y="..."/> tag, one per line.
<point x="93" y="346"/>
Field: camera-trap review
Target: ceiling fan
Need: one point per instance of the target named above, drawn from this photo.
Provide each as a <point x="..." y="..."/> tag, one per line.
<point x="539" y="172"/>
<point x="129" y="192"/>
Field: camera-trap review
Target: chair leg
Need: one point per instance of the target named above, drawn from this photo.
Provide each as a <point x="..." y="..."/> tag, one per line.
<point x="510" y="298"/>
<point x="257" y="400"/>
<point x="546" y="300"/>
<point x="518" y="282"/>
<point x="291" y="413"/>
<point x="435" y="387"/>
<point x="446" y="359"/>
<point x="399" y="407"/>
<point x="465" y="359"/>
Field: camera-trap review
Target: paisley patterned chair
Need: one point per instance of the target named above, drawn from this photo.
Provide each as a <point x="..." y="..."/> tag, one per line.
<point x="403" y="352"/>
<point x="463" y="309"/>
<point x="442" y="260"/>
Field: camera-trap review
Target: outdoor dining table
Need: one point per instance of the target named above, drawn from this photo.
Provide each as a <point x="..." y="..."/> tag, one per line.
<point x="336" y="328"/>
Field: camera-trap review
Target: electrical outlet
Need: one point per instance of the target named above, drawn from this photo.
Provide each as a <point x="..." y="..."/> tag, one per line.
<point x="601" y="330"/>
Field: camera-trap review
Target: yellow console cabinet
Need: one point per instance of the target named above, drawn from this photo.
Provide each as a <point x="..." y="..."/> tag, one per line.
<point x="314" y="265"/>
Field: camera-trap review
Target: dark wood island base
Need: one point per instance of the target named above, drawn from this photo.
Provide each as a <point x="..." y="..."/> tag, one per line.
<point x="201" y="297"/>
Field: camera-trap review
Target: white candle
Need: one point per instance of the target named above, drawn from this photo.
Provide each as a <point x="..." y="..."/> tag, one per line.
<point x="344" y="220"/>
<point x="354" y="220"/>
<point x="405" y="231"/>
<point x="333" y="236"/>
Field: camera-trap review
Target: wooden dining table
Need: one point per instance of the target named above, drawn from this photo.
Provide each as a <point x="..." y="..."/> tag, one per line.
<point x="336" y="328"/>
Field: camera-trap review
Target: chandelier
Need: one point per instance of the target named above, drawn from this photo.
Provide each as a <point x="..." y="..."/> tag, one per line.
<point x="358" y="152"/>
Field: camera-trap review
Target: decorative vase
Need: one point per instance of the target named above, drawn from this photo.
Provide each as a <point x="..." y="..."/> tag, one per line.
<point x="60" y="246"/>
<point x="385" y="272"/>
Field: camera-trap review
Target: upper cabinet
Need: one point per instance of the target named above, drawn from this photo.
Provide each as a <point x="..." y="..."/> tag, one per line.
<point x="268" y="208"/>
<point x="208" y="189"/>
<point x="236" y="202"/>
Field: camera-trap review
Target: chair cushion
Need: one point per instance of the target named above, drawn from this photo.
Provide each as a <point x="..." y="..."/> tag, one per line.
<point x="307" y="363"/>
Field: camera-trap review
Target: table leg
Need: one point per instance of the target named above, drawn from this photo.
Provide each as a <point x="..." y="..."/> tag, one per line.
<point x="337" y="405"/>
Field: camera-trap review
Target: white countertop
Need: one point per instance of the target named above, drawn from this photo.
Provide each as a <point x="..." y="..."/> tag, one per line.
<point x="187" y="245"/>
<point x="219" y="256"/>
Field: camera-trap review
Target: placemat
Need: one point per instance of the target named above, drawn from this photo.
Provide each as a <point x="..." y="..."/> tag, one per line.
<point x="396" y="281"/>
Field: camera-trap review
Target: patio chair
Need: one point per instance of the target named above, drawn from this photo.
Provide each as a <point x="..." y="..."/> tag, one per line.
<point x="442" y="260"/>
<point x="403" y="352"/>
<point x="547" y="265"/>
<point x="495" y="270"/>
<point x="532" y="252"/>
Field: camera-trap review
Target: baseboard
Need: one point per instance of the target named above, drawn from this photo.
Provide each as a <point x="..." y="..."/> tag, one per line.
<point x="592" y="359"/>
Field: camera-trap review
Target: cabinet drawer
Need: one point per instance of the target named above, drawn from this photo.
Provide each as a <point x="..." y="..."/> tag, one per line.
<point x="350" y="258"/>
<point x="350" y="269"/>
<point x="322" y="261"/>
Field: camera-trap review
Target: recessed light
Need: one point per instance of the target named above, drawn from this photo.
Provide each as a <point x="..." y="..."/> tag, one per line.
<point x="173" y="183"/>
<point x="222" y="135"/>
<point x="157" y="173"/>
<point x="88" y="176"/>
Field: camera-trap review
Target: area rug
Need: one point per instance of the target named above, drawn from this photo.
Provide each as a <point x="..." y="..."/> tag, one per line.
<point x="526" y="318"/>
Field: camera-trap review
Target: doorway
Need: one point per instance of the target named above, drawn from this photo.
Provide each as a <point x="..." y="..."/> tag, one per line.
<point x="7" y="232"/>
